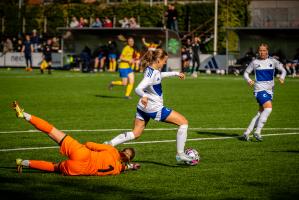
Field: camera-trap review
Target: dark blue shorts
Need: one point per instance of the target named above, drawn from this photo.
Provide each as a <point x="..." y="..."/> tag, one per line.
<point x="158" y="116"/>
<point x="262" y="97"/>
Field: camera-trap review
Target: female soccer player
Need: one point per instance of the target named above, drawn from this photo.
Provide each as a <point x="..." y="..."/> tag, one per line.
<point x="151" y="105"/>
<point x="264" y="68"/>
<point x="125" y="69"/>
<point x="84" y="159"/>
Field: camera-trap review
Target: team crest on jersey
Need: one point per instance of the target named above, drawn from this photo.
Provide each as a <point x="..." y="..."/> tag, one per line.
<point x="270" y="65"/>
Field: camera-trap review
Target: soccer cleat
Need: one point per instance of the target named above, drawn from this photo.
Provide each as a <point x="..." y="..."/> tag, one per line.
<point x="19" y="165"/>
<point x="182" y="158"/>
<point x="18" y="109"/>
<point x="245" y="137"/>
<point x="258" y="137"/>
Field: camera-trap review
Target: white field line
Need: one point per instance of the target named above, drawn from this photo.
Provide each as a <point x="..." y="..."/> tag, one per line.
<point x="147" y="129"/>
<point x="150" y="142"/>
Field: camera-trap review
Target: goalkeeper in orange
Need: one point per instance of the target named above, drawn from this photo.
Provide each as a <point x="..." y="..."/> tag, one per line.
<point x="125" y="69"/>
<point x="84" y="159"/>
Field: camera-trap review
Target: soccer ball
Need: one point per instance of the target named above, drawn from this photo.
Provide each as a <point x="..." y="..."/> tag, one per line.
<point x="194" y="155"/>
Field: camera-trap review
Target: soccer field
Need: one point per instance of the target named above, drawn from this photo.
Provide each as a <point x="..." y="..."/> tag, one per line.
<point x="218" y="109"/>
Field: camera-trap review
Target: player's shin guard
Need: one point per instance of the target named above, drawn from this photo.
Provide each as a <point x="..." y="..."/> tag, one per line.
<point x="41" y="124"/>
<point x="262" y="120"/>
<point x="42" y="165"/>
<point x="121" y="138"/>
<point x="129" y="89"/>
<point x="252" y="124"/>
<point x="181" y="138"/>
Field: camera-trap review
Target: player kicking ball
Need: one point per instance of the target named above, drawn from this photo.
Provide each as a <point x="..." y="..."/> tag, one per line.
<point x="264" y="69"/>
<point x="150" y="105"/>
<point x="90" y="159"/>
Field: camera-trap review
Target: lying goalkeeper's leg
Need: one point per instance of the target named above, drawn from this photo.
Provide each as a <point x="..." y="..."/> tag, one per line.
<point x="36" y="164"/>
<point x="39" y="124"/>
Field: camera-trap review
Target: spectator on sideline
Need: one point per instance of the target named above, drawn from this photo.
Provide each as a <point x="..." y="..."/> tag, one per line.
<point x="55" y="44"/>
<point x="85" y="58"/>
<point x="74" y="23"/>
<point x="19" y="46"/>
<point x="100" y="55"/>
<point x="185" y="59"/>
<point x="195" y="56"/>
<point x="112" y="55"/>
<point x="133" y="23"/>
<point x="152" y="45"/>
<point x="97" y="23"/>
<point x="47" y="56"/>
<point x="291" y="65"/>
<point x="83" y="22"/>
<point x="124" y="22"/>
<point x="36" y="41"/>
<point x="107" y="23"/>
<point x="27" y="49"/>
<point x="172" y="16"/>
<point x="8" y="46"/>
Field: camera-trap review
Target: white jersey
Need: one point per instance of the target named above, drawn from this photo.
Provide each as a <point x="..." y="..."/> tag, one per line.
<point x="151" y="87"/>
<point x="264" y="73"/>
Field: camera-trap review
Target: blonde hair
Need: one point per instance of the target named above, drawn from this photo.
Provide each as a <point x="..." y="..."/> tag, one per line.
<point x="152" y="56"/>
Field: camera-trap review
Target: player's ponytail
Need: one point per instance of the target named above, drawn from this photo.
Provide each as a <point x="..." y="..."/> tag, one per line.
<point x="153" y="56"/>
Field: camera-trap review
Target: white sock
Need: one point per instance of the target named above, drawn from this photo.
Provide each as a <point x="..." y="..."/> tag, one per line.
<point x="181" y="138"/>
<point x="27" y="116"/>
<point x="121" y="138"/>
<point x="262" y="120"/>
<point x="252" y="124"/>
<point x="25" y="163"/>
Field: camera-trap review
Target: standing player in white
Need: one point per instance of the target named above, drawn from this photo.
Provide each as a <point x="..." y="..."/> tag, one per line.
<point x="151" y="105"/>
<point x="264" y="68"/>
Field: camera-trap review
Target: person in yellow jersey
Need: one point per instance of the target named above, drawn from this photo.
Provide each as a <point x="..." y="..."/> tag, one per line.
<point x="125" y="69"/>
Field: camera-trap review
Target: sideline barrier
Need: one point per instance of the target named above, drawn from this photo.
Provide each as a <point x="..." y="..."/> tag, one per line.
<point x="208" y="61"/>
<point x="17" y="59"/>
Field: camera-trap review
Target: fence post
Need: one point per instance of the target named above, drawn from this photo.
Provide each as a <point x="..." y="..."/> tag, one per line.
<point x="45" y="24"/>
<point x="114" y="21"/>
<point x="2" y="25"/>
<point x="24" y="25"/>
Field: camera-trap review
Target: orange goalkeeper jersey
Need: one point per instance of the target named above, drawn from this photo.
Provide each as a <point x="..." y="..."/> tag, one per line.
<point x="89" y="159"/>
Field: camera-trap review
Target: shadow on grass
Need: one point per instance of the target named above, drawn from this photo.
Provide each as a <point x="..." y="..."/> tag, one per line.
<point x="163" y="164"/>
<point x="218" y="134"/>
<point x="287" y="151"/>
<point x="69" y="188"/>
<point x="24" y="171"/>
<point x="108" y="96"/>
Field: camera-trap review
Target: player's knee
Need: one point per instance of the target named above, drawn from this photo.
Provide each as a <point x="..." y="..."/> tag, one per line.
<point x="137" y="134"/>
<point x="184" y="121"/>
